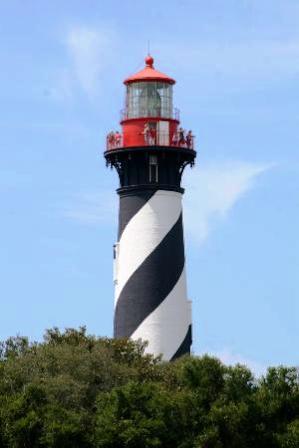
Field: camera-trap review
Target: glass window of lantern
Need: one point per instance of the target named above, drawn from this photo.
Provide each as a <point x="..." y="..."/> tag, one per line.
<point x="149" y="99"/>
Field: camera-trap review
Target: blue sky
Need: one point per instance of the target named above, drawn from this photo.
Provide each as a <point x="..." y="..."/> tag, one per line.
<point x="237" y="69"/>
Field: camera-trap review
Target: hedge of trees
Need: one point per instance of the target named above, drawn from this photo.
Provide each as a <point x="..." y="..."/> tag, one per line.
<point x="78" y="391"/>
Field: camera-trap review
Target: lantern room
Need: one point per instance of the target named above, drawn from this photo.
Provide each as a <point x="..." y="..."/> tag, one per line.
<point x="149" y="93"/>
<point x="149" y="118"/>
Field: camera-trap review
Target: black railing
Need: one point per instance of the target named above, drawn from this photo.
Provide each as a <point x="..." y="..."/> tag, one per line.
<point x="151" y="138"/>
<point x="126" y="114"/>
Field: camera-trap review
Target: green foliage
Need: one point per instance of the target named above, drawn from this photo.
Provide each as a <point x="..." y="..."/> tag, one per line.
<point x="76" y="390"/>
<point x="137" y="415"/>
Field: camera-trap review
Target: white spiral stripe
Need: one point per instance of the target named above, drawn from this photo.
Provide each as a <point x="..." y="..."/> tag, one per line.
<point x="144" y="232"/>
<point x="166" y="327"/>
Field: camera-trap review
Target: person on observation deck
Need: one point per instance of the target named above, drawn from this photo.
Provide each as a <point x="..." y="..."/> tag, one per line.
<point x="111" y="140"/>
<point x="153" y="135"/>
<point x="117" y="137"/>
<point x="182" y="140"/>
<point x="147" y="134"/>
<point x="175" y="138"/>
<point x="189" y="139"/>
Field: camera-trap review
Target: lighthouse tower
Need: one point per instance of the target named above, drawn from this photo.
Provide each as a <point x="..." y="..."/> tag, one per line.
<point x="149" y="155"/>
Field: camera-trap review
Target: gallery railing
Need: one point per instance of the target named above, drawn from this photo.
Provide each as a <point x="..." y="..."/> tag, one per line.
<point x="137" y="112"/>
<point x="150" y="138"/>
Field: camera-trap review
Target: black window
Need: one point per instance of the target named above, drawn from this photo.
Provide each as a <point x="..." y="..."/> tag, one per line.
<point x="153" y="169"/>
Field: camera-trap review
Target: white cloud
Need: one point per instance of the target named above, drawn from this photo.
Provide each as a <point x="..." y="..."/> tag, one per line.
<point x="91" y="51"/>
<point x="212" y="191"/>
<point x="228" y="357"/>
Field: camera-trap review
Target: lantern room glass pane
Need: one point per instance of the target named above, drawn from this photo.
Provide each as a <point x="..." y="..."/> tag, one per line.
<point x="149" y="99"/>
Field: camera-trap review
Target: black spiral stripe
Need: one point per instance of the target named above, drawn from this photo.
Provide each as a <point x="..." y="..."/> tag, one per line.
<point x="184" y="348"/>
<point x="154" y="279"/>
<point x="129" y="206"/>
<point x="151" y="282"/>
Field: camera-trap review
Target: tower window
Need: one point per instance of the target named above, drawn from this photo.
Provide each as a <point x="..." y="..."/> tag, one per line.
<point x="153" y="169"/>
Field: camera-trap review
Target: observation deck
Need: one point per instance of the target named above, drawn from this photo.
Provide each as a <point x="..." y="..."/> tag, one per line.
<point x="152" y="138"/>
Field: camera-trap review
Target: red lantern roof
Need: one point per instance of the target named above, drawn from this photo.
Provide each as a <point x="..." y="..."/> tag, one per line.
<point x="149" y="73"/>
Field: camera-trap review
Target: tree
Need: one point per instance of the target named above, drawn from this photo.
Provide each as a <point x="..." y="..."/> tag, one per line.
<point x="77" y="390"/>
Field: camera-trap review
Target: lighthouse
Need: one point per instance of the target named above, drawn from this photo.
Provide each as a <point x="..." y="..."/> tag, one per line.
<point x="150" y="154"/>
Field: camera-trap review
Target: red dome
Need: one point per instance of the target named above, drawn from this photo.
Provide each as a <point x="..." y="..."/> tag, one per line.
<point x="149" y="73"/>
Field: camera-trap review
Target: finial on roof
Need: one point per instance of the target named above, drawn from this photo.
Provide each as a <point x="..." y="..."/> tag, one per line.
<point x="149" y="61"/>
